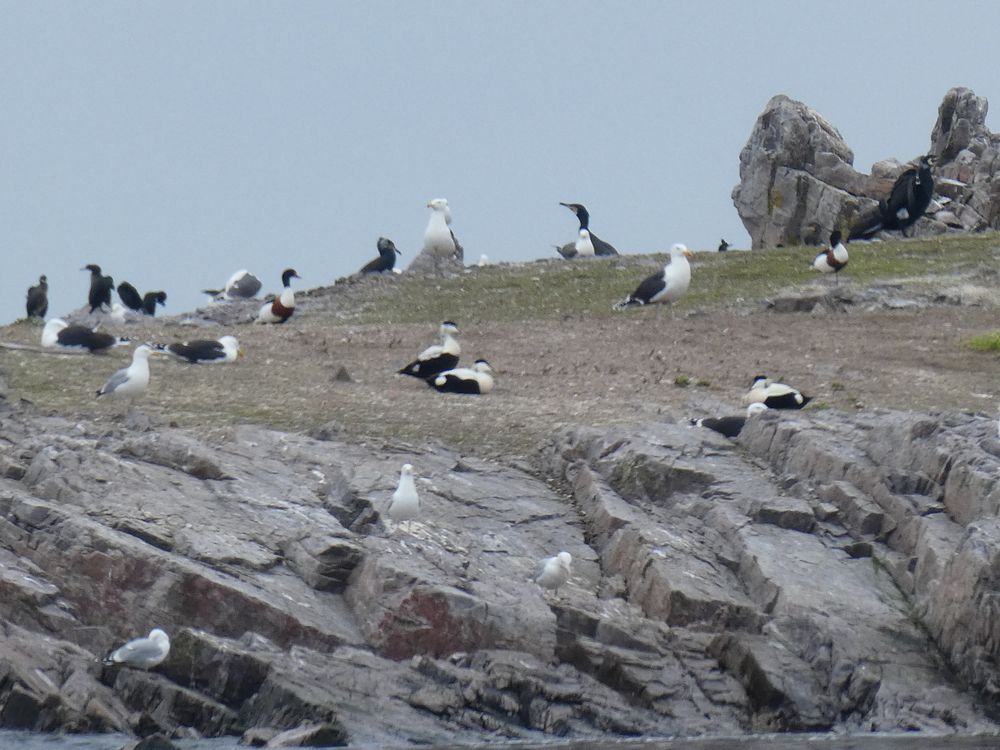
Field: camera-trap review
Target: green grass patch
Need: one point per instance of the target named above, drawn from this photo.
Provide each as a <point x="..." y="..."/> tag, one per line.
<point x="985" y="342"/>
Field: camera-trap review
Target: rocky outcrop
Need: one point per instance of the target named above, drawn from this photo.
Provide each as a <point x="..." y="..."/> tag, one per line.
<point x="824" y="574"/>
<point x="798" y="182"/>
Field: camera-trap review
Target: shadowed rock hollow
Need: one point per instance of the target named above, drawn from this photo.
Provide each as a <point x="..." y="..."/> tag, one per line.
<point x="826" y="573"/>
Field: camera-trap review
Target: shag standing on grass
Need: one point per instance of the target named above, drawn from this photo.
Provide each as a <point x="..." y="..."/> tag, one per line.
<point x="386" y="259"/>
<point x="37" y="303"/>
<point x="834" y="258"/>
<point x="281" y="308"/>
<point x="101" y="287"/>
<point x="774" y="395"/>
<point x="910" y="196"/>
<point x="570" y="249"/>
<point x="668" y="285"/>
<point x="437" y="357"/>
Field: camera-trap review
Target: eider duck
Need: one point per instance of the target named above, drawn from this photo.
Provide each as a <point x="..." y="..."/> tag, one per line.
<point x="386" y="259"/>
<point x="37" y="303"/>
<point x="131" y="381"/>
<point x="58" y="334"/>
<point x="282" y="307"/>
<point x="475" y="380"/>
<point x="729" y="426"/>
<point x="206" y="351"/>
<point x="101" y="287"/>
<point x="553" y="572"/>
<point x="834" y="258"/>
<point x="774" y="395"/>
<point x="438" y="357"/>
<point x="143" y="653"/>
<point x="668" y="285"/>
<point x="600" y="246"/>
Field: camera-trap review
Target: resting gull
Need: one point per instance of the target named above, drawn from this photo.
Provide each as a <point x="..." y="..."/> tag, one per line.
<point x="58" y="334"/>
<point x="206" y="351"/>
<point x="143" y="653"/>
<point x="130" y="382"/>
<point x="553" y="572"/>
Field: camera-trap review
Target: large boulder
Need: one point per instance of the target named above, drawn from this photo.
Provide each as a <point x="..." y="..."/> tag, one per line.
<point x="798" y="182"/>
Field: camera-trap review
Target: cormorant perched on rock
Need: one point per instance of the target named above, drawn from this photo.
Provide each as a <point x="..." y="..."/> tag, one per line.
<point x="100" y="288"/>
<point x="151" y="299"/>
<point x="668" y="285"/>
<point x="386" y="259"/>
<point x="130" y="296"/>
<point x="723" y="246"/>
<point x="600" y="246"/>
<point x="910" y="196"/>
<point x="834" y="258"/>
<point x="38" y="298"/>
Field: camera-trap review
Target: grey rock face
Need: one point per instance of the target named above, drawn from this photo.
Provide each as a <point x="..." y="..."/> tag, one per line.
<point x="816" y="576"/>
<point x="798" y="182"/>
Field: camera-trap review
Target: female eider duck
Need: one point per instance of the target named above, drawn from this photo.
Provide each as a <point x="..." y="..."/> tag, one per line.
<point x="600" y="246"/>
<point x="206" y="351"/>
<point x="131" y="381"/>
<point x="37" y="303"/>
<point x="730" y="427"/>
<point x="774" y="395"/>
<point x="834" y="258"/>
<point x="436" y="358"/>
<point x="668" y="285"/>
<point x="58" y="334"/>
<point x="386" y="259"/>
<point x="281" y="308"/>
<point x="472" y="380"/>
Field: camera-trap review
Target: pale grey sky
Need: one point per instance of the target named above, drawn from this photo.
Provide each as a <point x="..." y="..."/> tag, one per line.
<point x="174" y="142"/>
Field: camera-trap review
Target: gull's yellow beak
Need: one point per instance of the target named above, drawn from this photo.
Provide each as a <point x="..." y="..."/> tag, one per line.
<point x="688" y="253"/>
<point x="240" y="353"/>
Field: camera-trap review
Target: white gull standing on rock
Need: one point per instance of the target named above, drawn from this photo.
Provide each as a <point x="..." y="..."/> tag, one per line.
<point x="131" y="381"/>
<point x="553" y="572"/>
<point x="438" y="239"/>
<point x="405" y="503"/>
<point x="143" y="653"/>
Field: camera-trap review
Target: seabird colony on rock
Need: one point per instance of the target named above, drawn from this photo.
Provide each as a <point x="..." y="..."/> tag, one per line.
<point x="909" y="198"/>
<point x="405" y="503"/>
<point x="834" y="258"/>
<point x="729" y="426"/>
<point x="470" y="380"/>
<point x="668" y="285"/>
<point x="100" y="288"/>
<point x="144" y="653"/>
<point x="58" y="334"/>
<point x="131" y="381"/>
<point x="282" y="307"/>
<point x="386" y="259"/>
<point x="205" y="351"/>
<point x="600" y="247"/>
<point x="241" y="285"/>
<point x="553" y="572"/>
<point x="774" y="395"/>
<point x="37" y="303"/>
<point x="438" y="357"/>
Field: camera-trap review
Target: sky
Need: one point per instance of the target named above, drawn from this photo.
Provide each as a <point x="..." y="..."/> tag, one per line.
<point x="176" y="142"/>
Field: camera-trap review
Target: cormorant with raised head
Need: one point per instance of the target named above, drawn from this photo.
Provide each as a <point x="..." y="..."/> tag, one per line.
<point x="910" y="196"/>
<point x="600" y="246"/>
<point x="100" y="288"/>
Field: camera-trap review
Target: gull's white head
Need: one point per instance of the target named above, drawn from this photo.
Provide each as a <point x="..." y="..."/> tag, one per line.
<point x="407" y="470"/>
<point x="438" y="204"/>
<point x="158" y="636"/>
<point x="564" y="559"/>
<point x="51" y="331"/>
<point x="679" y="249"/>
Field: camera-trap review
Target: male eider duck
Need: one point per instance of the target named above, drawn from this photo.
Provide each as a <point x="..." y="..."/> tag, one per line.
<point x="729" y="426"/>
<point x="58" y="334"/>
<point x="386" y="259"/>
<point x="130" y="296"/>
<point x="475" y="380"/>
<point x="101" y="287"/>
<point x="282" y="307"/>
<point x="600" y="246"/>
<point x="144" y="653"/>
<point x="553" y="572"/>
<point x="774" y="395"/>
<point x="151" y="299"/>
<point x="834" y="258"/>
<point x="37" y="303"/>
<point x="668" y="285"/>
<point x="131" y="381"/>
<point x="436" y="358"/>
<point x="206" y="351"/>
<point x="405" y="503"/>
